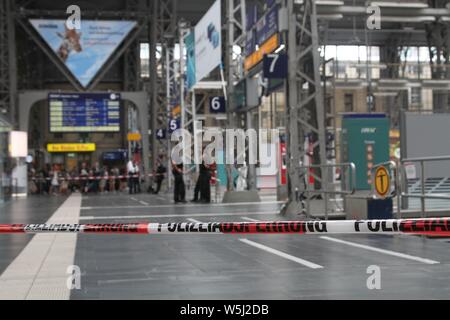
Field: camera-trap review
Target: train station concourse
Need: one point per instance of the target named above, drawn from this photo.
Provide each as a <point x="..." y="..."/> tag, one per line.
<point x="243" y="151"/>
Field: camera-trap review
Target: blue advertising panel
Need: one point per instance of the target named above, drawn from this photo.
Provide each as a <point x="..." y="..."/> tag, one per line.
<point x="189" y="42"/>
<point x="83" y="51"/>
<point x="84" y="112"/>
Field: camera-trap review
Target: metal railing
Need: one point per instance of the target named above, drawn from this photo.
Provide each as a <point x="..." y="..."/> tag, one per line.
<point x="307" y="174"/>
<point x="422" y="194"/>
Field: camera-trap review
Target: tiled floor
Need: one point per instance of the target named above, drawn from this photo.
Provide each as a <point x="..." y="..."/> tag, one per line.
<point x="224" y="266"/>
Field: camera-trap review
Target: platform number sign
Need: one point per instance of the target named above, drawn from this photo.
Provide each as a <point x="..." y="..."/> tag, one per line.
<point x="275" y="66"/>
<point x="174" y="124"/>
<point x="217" y="104"/>
<point x="160" y="134"/>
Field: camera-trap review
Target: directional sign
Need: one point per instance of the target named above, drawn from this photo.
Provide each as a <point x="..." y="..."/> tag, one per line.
<point x="174" y="124"/>
<point x="382" y="182"/>
<point x="160" y="134"/>
<point x="217" y="104"/>
<point x="275" y="65"/>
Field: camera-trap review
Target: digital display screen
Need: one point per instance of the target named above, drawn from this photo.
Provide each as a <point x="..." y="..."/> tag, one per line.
<point x="84" y="112"/>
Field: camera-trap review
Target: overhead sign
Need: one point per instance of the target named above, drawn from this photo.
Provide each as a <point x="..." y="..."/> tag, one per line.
<point x="275" y="65"/>
<point x="134" y="136"/>
<point x="208" y="43"/>
<point x="71" y="147"/>
<point x="268" y="47"/>
<point x="84" y="112"/>
<point x="217" y="104"/>
<point x="267" y="26"/>
<point x="382" y="182"/>
<point x="84" y="51"/>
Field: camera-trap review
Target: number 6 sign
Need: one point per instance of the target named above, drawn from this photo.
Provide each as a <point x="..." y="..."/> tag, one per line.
<point x="217" y="104"/>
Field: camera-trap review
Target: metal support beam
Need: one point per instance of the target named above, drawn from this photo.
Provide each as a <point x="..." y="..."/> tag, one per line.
<point x="306" y="114"/>
<point x="8" y="67"/>
<point x="162" y="27"/>
<point x="236" y="27"/>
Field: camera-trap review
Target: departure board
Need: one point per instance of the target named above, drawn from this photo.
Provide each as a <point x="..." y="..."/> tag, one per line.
<point x="84" y="112"/>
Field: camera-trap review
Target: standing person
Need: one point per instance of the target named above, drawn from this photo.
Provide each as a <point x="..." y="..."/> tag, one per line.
<point x="130" y="173"/>
<point x="179" y="191"/>
<point x="46" y="177"/>
<point x="83" y="177"/>
<point x="205" y="187"/>
<point x="97" y="176"/>
<point x="137" y="178"/>
<point x="160" y="171"/>
<point x="55" y="182"/>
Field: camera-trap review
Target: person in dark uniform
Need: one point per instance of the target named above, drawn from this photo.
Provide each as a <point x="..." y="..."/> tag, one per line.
<point x="205" y="187"/>
<point x="202" y="186"/>
<point x="160" y="171"/>
<point x="179" y="191"/>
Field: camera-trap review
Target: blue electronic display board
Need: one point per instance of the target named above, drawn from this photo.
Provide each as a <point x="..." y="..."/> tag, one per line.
<point x="84" y="112"/>
<point x="267" y="25"/>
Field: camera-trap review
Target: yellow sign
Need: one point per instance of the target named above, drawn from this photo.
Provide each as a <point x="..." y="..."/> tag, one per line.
<point x="267" y="47"/>
<point x="134" y="137"/>
<point x="71" y="147"/>
<point x="382" y="181"/>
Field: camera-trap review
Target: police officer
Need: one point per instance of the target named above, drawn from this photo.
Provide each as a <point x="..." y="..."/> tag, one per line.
<point x="179" y="191"/>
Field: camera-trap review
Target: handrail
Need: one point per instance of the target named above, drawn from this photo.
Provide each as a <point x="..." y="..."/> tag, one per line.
<point x="308" y="191"/>
<point x="345" y="164"/>
<point x="422" y="194"/>
<point x="437" y="158"/>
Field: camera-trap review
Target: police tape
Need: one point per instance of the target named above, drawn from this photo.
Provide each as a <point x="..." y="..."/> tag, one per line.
<point x="427" y="226"/>
<point x="77" y="178"/>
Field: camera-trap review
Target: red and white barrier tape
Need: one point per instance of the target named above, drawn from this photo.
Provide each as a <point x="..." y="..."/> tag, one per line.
<point x="429" y="226"/>
<point x="96" y="178"/>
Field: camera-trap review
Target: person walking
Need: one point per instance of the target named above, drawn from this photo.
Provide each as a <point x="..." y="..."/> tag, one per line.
<point x="179" y="191"/>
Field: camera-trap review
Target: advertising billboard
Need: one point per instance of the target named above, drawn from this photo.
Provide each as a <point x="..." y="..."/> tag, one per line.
<point x="84" y="112"/>
<point x="189" y="42"/>
<point x="208" y="42"/>
<point x="86" y="50"/>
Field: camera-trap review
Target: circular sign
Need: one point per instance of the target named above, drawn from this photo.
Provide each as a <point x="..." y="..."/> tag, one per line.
<point x="382" y="181"/>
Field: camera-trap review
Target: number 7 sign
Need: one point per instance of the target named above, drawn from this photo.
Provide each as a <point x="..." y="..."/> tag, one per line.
<point x="275" y="65"/>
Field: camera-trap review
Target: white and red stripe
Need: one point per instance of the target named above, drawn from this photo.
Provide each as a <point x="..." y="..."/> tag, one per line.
<point x="429" y="226"/>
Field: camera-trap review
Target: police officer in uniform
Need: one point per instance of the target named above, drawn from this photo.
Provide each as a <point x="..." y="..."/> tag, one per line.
<point x="179" y="188"/>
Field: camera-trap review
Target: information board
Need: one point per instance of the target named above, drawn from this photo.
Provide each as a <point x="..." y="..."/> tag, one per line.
<point x="84" y="112"/>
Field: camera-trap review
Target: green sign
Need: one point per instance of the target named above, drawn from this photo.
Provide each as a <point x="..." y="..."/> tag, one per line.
<point x="365" y="142"/>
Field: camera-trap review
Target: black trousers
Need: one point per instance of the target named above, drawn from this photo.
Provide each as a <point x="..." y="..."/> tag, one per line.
<point x="158" y="185"/>
<point x="205" y="189"/>
<point x="131" y="185"/>
<point x="179" y="193"/>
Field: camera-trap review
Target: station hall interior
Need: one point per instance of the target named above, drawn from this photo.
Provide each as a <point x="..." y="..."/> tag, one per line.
<point x="224" y="113"/>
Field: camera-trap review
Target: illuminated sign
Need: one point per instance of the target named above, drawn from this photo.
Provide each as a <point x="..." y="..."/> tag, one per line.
<point x="134" y="137"/>
<point x="84" y="112"/>
<point x="71" y="147"/>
